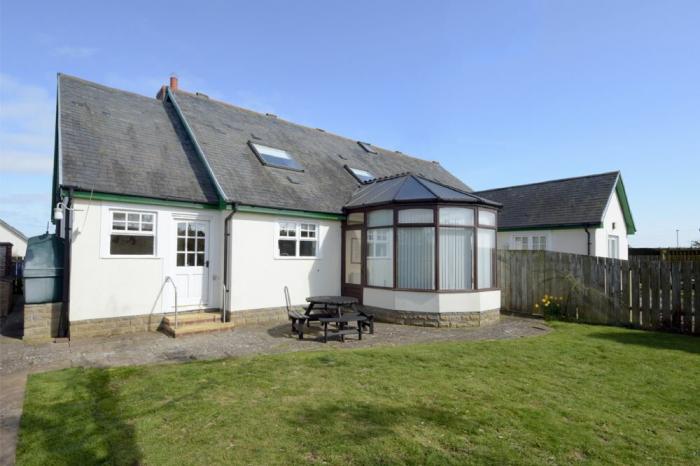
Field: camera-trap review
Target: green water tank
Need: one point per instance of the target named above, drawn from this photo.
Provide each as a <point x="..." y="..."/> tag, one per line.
<point x="43" y="269"/>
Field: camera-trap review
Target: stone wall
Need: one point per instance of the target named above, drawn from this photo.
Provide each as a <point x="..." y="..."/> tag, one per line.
<point x="434" y="319"/>
<point x="115" y="326"/>
<point x="41" y="322"/>
<point x="258" y="316"/>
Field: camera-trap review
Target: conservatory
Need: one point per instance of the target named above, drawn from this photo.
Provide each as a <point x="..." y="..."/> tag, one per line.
<point x="422" y="253"/>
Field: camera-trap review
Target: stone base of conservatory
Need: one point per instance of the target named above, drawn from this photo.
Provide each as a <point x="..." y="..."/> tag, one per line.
<point x="435" y="319"/>
<point x="469" y="309"/>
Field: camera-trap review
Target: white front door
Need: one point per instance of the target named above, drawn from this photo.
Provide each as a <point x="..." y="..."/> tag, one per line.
<point x="192" y="262"/>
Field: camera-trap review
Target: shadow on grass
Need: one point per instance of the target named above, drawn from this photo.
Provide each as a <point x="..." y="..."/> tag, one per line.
<point x="342" y="426"/>
<point x="87" y="428"/>
<point x="657" y="340"/>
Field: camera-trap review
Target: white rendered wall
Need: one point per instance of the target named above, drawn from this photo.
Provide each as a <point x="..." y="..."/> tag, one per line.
<point x="103" y="287"/>
<point x="19" y="244"/>
<point x="572" y="240"/>
<point x="258" y="277"/>
<point x="613" y="215"/>
<point x="417" y="301"/>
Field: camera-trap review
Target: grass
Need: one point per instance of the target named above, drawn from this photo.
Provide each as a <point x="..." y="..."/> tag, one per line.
<point x="581" y="394"/>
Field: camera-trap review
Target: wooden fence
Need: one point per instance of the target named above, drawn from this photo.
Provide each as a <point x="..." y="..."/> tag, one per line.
<point x="647" y="293"/>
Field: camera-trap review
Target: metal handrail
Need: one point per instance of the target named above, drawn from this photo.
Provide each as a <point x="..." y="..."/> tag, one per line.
<point x="168" y="279"/>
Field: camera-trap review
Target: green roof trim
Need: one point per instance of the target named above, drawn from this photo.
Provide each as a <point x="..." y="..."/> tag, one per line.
<point x="142" y="200"/>
<point x="624" y="204"/>
<point x="288" y="212"/>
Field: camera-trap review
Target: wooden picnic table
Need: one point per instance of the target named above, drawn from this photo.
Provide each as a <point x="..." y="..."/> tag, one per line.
<point x="338" y="302"/>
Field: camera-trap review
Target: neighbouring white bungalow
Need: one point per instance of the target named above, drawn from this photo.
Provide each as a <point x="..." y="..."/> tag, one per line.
<point x="587" y="215"/>
<point x="11" y="235"/>
<point x="231" y="206"/>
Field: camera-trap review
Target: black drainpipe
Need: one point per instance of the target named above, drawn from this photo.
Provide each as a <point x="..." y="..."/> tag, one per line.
<point x="227" y="235"/>
<point x="588" y="243"/>
<point x="64" y="319"/>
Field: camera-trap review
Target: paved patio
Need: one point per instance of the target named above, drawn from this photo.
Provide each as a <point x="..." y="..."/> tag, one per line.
<point x="18" y="359"/>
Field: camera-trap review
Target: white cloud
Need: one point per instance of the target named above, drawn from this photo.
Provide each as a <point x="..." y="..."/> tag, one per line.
<point x="67" y="51"/>
<point x="27" y="115"/>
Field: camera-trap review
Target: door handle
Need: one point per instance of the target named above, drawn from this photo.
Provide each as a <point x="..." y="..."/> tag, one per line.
<point x="206" y="264"/>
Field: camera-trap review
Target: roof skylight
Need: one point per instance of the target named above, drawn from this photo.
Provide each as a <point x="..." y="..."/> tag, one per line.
<point x="275" y="157"/>
<point x="367" y="147"/>
<point x="361" y="175"/>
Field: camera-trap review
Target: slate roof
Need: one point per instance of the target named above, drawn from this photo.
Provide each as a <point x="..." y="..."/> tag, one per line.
<point x="567" y="202"/>
<point x="223" y="132"/>
<point x="115" y="141"/>
<point x="409" y="188"/>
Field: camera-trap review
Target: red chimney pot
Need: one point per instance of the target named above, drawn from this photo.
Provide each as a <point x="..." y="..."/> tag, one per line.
<point x="173" y="83"/>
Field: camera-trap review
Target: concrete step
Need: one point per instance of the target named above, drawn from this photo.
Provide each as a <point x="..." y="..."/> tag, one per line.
<point x="195" y="328"/>
<point x="192" y="318"/>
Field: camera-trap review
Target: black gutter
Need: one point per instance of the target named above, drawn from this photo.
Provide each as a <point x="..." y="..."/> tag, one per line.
<point x="64" y="319"/>
<point x="227" y="290"/>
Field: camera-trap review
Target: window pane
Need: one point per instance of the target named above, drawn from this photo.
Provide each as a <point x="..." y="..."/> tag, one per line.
<point x="380" y="218"/>
<point x="276" y="157"/>
<point x="353" y="257"/>
<point x="287" y="248"/>
<point x="416" y="216"/>
<point x="131" y="245"/>
<point x="133" y="226"/>
<point x="486" y="257"/>
<point x="133" y="218"/>
<point x="456" y="257"/>
<point x="190" y="244"/>
<point x="356" y="218"/>
<point x="200" y="230"/>
<point x="119" y="216"/>
<point x="456" y="216"/>
<point x="181" y="229"/>
<point x="487" y="217"/>
<point x="416" y="258"/>
<point x="181" y="259"/>
<point x="200" y="260"/>
<point x="146" y="227"/>
<point x="380" y="252"/>
<point x="200" y="245"/>
<point x="307" y="248"/>
<point x="190" y="229"/>
<point x="181" y="244"/>
<point x="117" y="225"/>
<point x="147" y="218"/>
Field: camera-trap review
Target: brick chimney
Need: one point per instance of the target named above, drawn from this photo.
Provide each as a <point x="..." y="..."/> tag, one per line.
<point x="173" y="87"/>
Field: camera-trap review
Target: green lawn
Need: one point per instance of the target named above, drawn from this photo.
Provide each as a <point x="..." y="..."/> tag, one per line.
<point x="584" y="394"/>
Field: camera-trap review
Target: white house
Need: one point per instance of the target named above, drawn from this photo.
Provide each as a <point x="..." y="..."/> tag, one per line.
<point x="231" y="206"/>
<point x="11" y="235"/>
<point x="587" y="215"/>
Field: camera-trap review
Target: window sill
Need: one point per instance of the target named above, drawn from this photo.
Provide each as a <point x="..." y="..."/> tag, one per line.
<point x="134" y="256"/>
<point x="296" y="258"/>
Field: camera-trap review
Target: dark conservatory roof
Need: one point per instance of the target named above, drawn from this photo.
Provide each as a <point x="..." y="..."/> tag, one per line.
<point x="569" y="202"/>
<point x="410" y="188"/>
<point x="190" y="147"/>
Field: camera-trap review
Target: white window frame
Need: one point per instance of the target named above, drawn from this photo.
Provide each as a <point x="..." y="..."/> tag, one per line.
<point x="298" y="228"/>
<point x="517" y="239"/>
<point x="109" y="229"/>
<point x="373" y="243"/>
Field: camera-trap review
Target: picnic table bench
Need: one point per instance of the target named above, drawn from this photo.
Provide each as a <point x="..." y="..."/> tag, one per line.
<point x="343" y="328"/>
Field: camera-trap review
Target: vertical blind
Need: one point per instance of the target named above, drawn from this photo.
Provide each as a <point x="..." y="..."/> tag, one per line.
<point x="416" y="258"/>
<point x="380" y="254"/>
<point x="487" y="242"/>
<point x="456" y="246"/>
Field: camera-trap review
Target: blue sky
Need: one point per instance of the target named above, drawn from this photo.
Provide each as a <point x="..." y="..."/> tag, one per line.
<point x="501" y="93"/>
